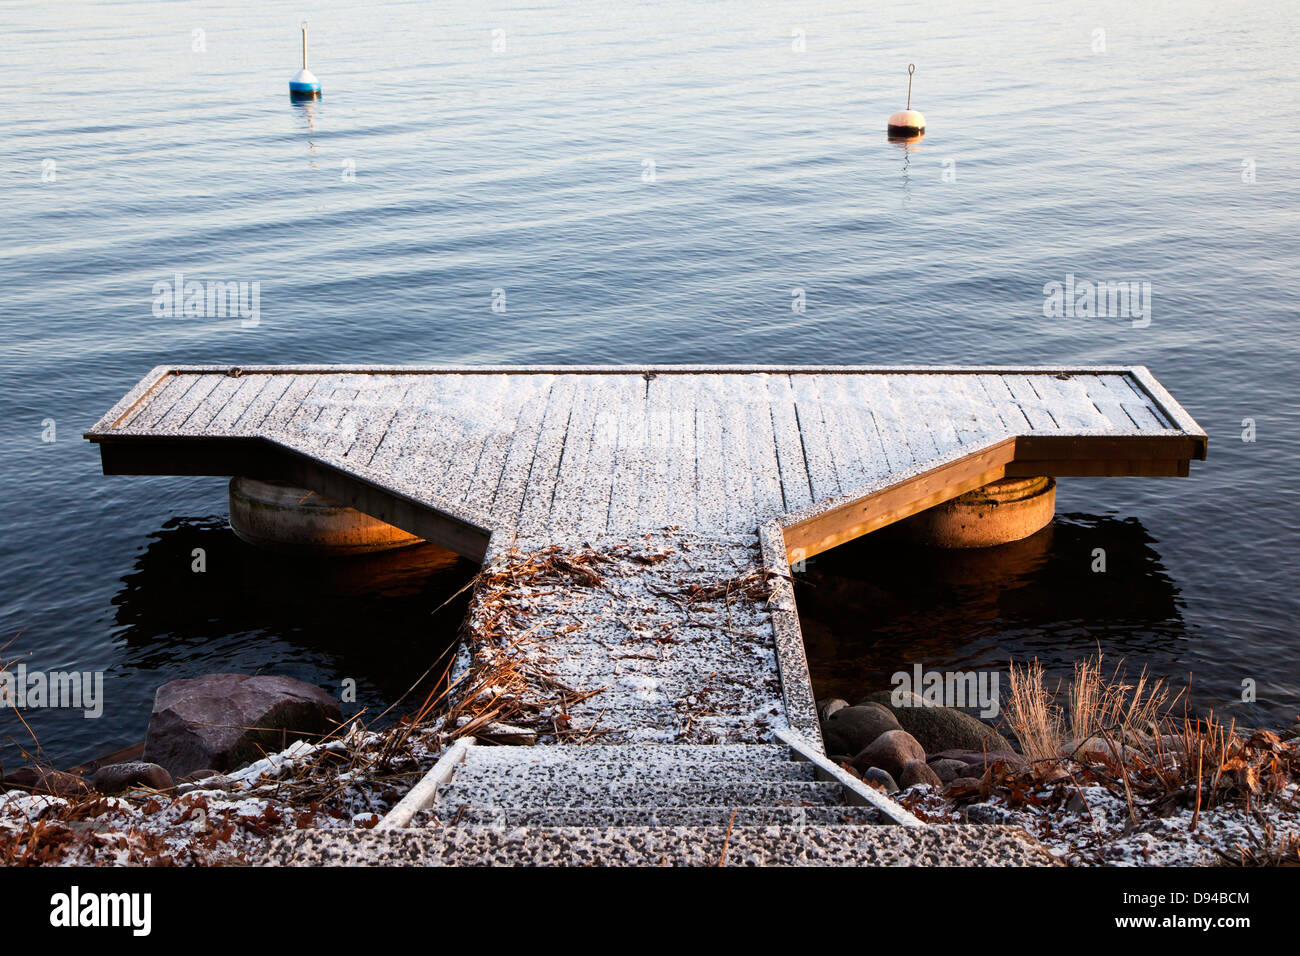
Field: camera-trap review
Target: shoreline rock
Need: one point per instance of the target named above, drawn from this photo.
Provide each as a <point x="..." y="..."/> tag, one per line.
<point x="939" y="728"/>
<point x="224" y="721"/>
<point x="890" y="752"/>
<point x="117" y="777"/>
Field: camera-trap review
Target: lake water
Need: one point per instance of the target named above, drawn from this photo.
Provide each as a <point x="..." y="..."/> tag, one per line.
<point x="647" y="183"/>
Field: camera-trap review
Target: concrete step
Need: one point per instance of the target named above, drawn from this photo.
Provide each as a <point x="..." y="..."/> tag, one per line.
<point x="952" y="845"/>
<point x="744" y="755"/>
<point x="646" y="816"/>
<point x="621" y="773"/>
<point x="524" y="793"/>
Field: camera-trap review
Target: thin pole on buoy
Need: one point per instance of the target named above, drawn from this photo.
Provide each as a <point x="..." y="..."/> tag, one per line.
<point x="304" y="61"/>
<point x="911" y="67"/>
<point x="908" y="123"/>
<point x="304" y="85"/>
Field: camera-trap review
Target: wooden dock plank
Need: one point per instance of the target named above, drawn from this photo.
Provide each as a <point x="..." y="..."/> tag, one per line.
<point x="854" y="461"/>
<point x="764" y="465"/>
<point x="710" y="492"/>
<point x="1030" y="402"/>
<point x="227" y="387"/>
<point x="921" y="396"/>
<point x="544" y="474"/>
<point x="920" y="436"/>
<point x="302" y="403"/>
<point x="148" y="413"/>
<point x="440" y="432"/>
<point x="251" y="387"/>
<point x="870" y="392"/>
<point x="291" y="388"/>
<point x="1135" y="403"/>
<point x="370" y="429"/>
<point x="628" y="472"/>
<point x="972" y="414"/>
<point x="682" y="450"/>
<point x="1003" y="403"/>
<point x="194" y="397"/>
<point x="731" y="397"/>
<point x="1067" y="398"/>
<point x="795" y="484"/>
<point x="652" y="491"/>
<point x="516" y="395"/>
<point x="522" y="452"/>
<point x="613" y="393"/>
<point x="813" y="436"/>
<point x="528" y="466"/>
<point x="569" y="491"/>
<point x="483" y="419"/>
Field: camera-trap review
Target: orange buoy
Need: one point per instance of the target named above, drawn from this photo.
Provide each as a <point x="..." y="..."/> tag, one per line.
<point x="908" y="123"/>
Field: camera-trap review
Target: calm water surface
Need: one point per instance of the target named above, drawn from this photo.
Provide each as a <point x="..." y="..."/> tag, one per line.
<point x="525" y="169"/>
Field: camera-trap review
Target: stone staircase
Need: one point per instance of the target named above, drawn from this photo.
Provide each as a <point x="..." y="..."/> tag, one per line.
<point x="648" y="805"/>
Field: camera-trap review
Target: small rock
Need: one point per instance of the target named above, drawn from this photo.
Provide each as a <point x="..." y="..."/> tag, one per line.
<point x="947" y="770"/>
<point x="977" y="762"/>
<point x="879" y="779"/>
<point x="850" y="729"/>
<point x="828" y="705"/>
<point x="116" y="777"/>
<point x="1076" y="803"/>
<point x="940" y="728"/>
<point x="38" y="780"/>
<point x="916" y="772"/>
<point x="963" y="783"/>
<point x="891" y="752"/>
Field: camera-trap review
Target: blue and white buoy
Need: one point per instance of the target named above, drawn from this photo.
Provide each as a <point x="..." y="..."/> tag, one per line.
<point x="304" y="85"/>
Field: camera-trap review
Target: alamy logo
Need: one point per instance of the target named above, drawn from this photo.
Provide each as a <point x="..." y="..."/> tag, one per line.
<point x="1083" y="299"/>
<point x="74" y="909"/>
<point x="21" y="688"/>
<point x="968" y="689"/>
<point x="208" y="300"/>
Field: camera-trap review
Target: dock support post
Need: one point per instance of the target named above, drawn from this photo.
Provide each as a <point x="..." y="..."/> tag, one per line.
<point x="999" y="512"/>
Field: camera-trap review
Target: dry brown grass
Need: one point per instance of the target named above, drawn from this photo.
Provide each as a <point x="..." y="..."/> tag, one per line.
<point x="1099" y="704"/>
<point x="1100" y="728"/>
<point x="1033" y="715"/>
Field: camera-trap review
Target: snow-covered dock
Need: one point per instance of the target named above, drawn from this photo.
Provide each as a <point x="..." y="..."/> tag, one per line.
<point x="702" y="479"/>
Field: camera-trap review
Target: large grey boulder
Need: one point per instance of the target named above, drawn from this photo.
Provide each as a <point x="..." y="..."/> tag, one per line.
<point x="224" y="721"/>
<point x="850" y="729"/>
<point x="940" y="728"/>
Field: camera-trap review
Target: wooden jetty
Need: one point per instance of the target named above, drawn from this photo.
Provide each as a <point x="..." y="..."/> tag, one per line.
<point x="695" y="477"/>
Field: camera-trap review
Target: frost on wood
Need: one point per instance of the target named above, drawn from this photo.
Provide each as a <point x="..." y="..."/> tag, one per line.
<point x="664" y="637"/>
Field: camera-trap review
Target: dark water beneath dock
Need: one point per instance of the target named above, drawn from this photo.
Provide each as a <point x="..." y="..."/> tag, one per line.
<point x="380" y="221"/>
